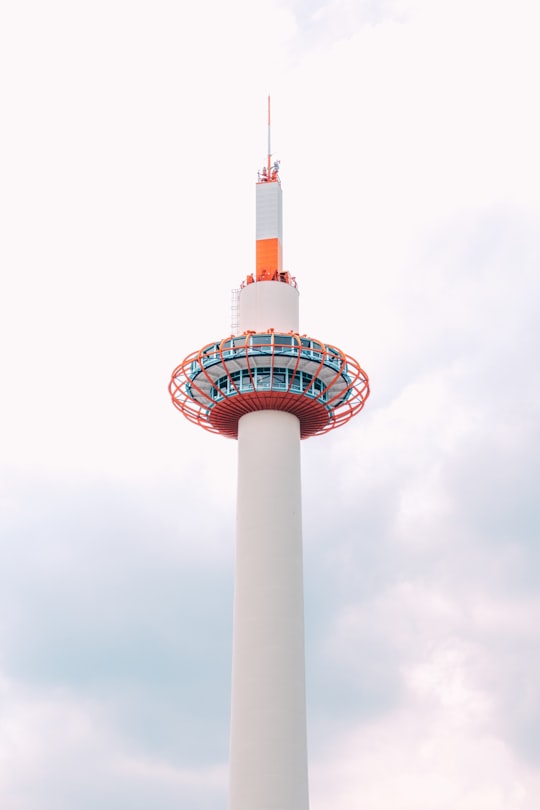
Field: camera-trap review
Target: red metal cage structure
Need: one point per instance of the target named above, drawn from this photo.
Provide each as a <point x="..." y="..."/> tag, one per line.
<point x="322" y="386"/>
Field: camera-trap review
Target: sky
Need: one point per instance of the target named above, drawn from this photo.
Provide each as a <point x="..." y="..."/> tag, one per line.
<point x="408" y="136"/>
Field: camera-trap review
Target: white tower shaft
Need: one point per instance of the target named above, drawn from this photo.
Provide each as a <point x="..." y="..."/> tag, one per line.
<point x="268" y="758"/>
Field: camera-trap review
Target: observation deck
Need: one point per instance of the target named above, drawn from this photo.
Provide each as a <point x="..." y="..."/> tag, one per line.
<point x="318" y="383"/>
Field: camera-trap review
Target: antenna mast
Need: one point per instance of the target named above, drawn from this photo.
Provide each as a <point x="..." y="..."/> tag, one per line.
<point x="269" y="150"/>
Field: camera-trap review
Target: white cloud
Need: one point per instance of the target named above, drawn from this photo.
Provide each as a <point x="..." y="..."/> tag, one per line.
<point x="416" y="761"/>
<point x="75" y="758"/>
<point x="443" y="744"/>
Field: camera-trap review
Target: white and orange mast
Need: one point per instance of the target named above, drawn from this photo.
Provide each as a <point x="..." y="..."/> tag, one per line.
<point x="269" y="226"/>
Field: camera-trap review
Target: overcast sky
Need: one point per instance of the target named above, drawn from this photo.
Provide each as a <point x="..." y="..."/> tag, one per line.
<point x="408" y="134"/>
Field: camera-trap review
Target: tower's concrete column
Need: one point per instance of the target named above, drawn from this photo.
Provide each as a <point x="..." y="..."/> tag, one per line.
<point x="268" y="305"/>
<point x="268" y="759"/>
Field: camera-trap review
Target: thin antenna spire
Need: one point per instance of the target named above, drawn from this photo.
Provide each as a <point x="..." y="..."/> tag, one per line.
<point x="269" y="149"/>
<point x="270" y="171"/>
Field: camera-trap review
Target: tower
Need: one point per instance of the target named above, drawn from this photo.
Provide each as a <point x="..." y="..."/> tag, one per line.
<point x="268" y="386"/>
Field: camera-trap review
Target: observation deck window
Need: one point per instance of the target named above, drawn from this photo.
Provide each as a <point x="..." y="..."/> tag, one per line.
<point x="285" y="344"/>
<point x="273" y="345"/>
<point x="333" y="357"/>
<point x="210" y="355"/>
<point x="266" y="379"/>
<point x="280" y="379"/>
<point x="263" y="378"/>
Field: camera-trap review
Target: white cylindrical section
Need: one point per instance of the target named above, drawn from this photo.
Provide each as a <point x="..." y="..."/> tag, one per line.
<point x="268" y="758"/>
<point x="269" y="211"/>
<point x="269" y="305"/>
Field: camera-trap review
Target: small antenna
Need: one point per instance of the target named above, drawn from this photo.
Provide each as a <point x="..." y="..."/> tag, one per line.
<point x="269" y="150"/>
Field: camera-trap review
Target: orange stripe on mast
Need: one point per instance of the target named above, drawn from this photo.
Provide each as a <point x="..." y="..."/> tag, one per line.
<point x="268" y="259"/>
